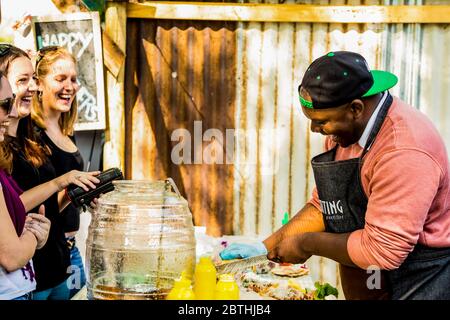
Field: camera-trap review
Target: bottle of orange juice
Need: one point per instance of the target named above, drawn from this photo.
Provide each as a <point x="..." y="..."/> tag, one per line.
<point x="226" y="288"/>
<point x="182" y="289"/>
<point x="205" y="279"/>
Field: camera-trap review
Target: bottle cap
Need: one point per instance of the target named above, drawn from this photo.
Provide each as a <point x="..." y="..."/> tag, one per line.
<point x="185" y="275"/>
<point x="183" y="280"/>
<point x="226" y="277"/>
<point x="182" y="283"/>
<point x="205" y="259"/>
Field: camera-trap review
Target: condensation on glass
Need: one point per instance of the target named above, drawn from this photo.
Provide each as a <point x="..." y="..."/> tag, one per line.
<point x="140" y="239"/>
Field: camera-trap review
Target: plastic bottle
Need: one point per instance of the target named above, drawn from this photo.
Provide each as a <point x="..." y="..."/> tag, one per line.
<point x="182" y="289"/>
<point x="205" y="279"/>
<point x="226" y="288"/>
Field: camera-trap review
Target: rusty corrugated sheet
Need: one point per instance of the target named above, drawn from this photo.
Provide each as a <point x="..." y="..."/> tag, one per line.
<point x="244" y="76"/>
<point x="180" y="72"/>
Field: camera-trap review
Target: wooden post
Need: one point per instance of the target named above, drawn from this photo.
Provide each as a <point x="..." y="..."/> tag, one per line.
<point x="115" y="28"/>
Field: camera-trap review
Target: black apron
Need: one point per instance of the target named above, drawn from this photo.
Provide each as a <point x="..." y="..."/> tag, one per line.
<point x="425" y="274"/>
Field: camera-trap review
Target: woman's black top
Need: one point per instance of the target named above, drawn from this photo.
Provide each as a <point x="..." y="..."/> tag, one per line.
<point x="64" y="162"/>
<point x="52" y="260"/>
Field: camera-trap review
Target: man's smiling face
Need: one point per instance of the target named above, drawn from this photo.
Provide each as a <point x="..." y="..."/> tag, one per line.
<point x="340" y="122"/>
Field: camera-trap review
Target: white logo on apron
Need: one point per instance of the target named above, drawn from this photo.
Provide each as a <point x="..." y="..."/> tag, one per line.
<point x="332" y="209"/>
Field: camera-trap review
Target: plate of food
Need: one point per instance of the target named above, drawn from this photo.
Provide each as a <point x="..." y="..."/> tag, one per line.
<point x="278" y="281"/>
<point x="265" y="279"/>
<point x="284" y="281"/>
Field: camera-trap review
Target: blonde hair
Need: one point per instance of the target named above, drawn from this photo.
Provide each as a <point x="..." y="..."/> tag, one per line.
<point x="44" y="61"/>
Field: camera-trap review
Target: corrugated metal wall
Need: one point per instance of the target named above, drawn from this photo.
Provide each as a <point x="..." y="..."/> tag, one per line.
<point x="180" y="82"/>
<point x="244" y="76"/>
<point x="419" y="55"/>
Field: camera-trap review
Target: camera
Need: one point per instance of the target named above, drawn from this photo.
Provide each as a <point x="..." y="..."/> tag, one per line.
<point x="80" y="198"/>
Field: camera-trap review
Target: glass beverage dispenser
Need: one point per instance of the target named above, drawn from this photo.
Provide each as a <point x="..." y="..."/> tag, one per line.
<point x="141" y="238"/>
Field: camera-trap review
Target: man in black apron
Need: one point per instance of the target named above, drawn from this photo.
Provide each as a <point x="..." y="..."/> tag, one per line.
<point x="339" y="87"/>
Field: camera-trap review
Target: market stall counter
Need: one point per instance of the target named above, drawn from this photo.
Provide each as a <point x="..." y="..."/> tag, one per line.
<point x="266" y="280"/>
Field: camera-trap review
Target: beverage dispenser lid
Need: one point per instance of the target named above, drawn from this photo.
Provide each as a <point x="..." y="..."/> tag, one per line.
<point x="144" y="193"/>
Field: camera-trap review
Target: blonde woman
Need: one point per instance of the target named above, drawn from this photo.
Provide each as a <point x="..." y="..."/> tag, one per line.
<point x="29" y="161"/>
<point x="55" y="112"/>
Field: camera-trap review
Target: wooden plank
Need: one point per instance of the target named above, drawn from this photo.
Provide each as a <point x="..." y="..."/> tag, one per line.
<point x="132" y="95"/>
<point x="115" y="27"/>
<point x="289" y="12"/>
<point x="113" y="57"/>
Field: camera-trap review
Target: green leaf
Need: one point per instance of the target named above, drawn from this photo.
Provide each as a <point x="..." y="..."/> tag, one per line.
<point x="323" y="290"/>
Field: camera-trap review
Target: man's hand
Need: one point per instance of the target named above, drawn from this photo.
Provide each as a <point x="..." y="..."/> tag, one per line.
<point x="300" y="247"/>
<point x="39" y="225"/>
<point x="242" y="250"/>
<point x="292" y="249"/>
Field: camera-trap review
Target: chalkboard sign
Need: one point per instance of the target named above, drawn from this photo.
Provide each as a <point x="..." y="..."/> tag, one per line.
<point x="80" y="34"/>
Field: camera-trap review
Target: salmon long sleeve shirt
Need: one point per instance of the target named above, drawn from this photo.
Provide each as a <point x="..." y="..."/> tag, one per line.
<point x="405" y="176"/>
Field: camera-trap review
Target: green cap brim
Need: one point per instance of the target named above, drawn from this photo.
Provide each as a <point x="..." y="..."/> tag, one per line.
<point x="382" y="81"/>
<point x="305" y="103"/>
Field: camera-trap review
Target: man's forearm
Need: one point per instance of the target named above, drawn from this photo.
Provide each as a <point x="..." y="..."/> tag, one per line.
<point x="329" y="245"/>
<point x="308" y="219"/>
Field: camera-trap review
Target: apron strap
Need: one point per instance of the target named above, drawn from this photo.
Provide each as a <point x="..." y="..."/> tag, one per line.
<point x="378" y="122"/>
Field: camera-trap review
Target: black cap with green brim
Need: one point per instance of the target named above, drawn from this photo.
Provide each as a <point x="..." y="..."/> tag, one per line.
<point x="340" y="77"/>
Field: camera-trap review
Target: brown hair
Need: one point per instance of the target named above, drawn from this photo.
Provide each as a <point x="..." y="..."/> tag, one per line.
<point x="5" y="160"/>
<point x="26" y="137"/>
<point x="45" y="60"/>
<point x="12" y="54"/>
